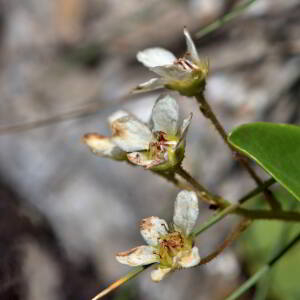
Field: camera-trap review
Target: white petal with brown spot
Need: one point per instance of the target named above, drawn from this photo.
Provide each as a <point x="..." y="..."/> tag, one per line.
<point x="138" y="256"/>
<point x="152" y="228"/>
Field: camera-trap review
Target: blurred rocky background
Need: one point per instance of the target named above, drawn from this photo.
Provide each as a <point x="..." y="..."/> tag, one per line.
<point x="65" y="212"/>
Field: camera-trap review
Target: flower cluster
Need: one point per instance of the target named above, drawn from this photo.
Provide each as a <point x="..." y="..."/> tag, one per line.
<point x="187" y="74"/>
<point x="171" y="246"/>
<point x="158" y="146"/>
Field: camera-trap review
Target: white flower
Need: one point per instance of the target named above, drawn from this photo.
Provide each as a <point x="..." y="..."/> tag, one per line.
<point x="158" y="146"/>
<point x="186" y="74"/>
<point x="172" y="247"/>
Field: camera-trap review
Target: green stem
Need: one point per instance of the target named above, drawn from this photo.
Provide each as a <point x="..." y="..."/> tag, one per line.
<point x="264" y="284"/>
<point x="215" y="219"/>
<point x="226" y="211"/>
<point x="226" y="18"/>
<point x="289" y="216"/>
<point x="253" y="279"/>
<point x="241" y="227"/>
<point x="273" y="202"/>
<point x="202" y="192"/>
<point x="209" y="114"/>
<point x="275" y="259"/>
<point x="249" y="283"/>
<point x="198" y="186"/>
<point x="121" y="281"/>
<point x="256" y="191"/>
<point x="170" y="177"/>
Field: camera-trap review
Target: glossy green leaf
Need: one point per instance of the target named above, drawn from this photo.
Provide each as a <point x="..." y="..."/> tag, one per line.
<point x="275" y="147"/>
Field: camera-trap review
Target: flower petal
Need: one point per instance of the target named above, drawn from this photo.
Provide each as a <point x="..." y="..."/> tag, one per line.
<point x="191" y="48"/>
<point x="142" y="159"/>
<point x="150" y="85"/>
<point x="186" y="211"/>
<point x="152" y="228"/>
<point x="117" y="115"/>
<point x="159" y="273"/>
<point x="171" y="72"/>
<point x="153" y="57"/>
<point x="103" y="146"/>
<point x="130" y="134"/>
<point x="165" y="114"/>
<point x="190" y="260"/>
<point x="138" y="256"/>
<point x="184" y="129"/>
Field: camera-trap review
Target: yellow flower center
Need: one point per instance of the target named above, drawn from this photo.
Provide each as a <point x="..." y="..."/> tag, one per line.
<point x="170" y="245"/>
<point x="194" y="84"/>
<point x="164" y="147"/>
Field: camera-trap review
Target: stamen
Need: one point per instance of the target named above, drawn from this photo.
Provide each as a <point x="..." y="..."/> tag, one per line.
<point x="167" y="229"/>
<point x="191" y="65"/>
<point x="180" y="62"/>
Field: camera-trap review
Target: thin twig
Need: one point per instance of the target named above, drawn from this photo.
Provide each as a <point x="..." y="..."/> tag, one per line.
<point x="203" y="193"/>
<point x="241" y="227"/>
<point x="121" y="281"/>
<point x="209" y="114"/>
<point x="256" y="214"/>
<point x="171" y="178"/>
<point x="263" y="285"/>
<point x="256" y="191"/>
<point x="81" y="112"/>
<point x="223" y="20"/>
<point x="215" y="219"/>
<point x="223" y="213"/>
<point x="262" y="271"/>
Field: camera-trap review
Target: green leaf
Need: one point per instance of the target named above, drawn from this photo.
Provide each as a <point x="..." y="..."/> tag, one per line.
<point x="275" y="147"/>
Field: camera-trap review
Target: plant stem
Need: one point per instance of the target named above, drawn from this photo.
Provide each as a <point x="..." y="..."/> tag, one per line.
<point x="262" y="288"/>
<point x="288" y="216"/>
<point x="249" y="283"/>
<point x="223" y="20"/>
<point x="215" y="219"/>
<point x="256" y="191"/>
<point x="272" y="201"/>
<point x="254" y="278"/>
<point x="171" y="178"/>
<point x="121" y="281"/>
<point x="209" y="114"/>
<point x="202" y="192"/>
<point x="226" y="211"/>
<point x="242" y="226"/>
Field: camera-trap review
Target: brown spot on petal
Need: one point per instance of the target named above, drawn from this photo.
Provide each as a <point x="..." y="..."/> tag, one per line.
<point x="128" y="252"/>
<point x="146" y="224"/>
<point x="118" y="129"/>
<point x="90" y="136"/>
